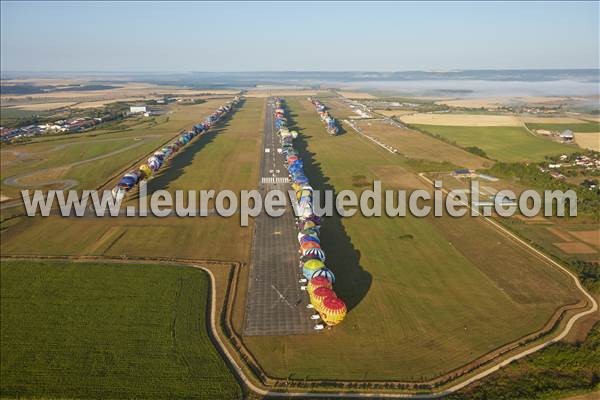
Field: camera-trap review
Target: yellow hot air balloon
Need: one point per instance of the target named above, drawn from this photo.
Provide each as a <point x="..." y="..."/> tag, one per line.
<point x="146" y="170"/>
<point x="310" y="266"/>
<point x="317" y="282"/>
<point x="333" y="310"/>
<point x="319" y="295"/>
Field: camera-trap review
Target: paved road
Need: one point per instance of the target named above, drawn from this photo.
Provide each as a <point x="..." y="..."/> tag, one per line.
<point x="275" y="304"/>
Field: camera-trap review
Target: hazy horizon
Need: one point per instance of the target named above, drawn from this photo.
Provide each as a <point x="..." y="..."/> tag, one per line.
<point x="268" y="37"/>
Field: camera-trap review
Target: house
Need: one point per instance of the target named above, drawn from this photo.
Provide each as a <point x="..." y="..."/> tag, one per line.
<point x="567" y="135"/>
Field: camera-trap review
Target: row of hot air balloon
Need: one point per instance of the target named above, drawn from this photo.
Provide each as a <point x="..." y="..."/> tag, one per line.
<point x="331" y="309"/>
<point x="153" y="164"/>
<point x="331" y="123"/>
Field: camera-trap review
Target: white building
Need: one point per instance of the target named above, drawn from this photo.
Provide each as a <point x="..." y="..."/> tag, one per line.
<point x="137" y="109"/>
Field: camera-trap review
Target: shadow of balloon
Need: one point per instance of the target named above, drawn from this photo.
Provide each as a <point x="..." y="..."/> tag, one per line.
<point x="352" y="281"/>
<point x="176" y="166"/>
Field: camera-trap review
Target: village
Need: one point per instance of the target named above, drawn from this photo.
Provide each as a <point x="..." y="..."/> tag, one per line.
<point x="69" y="125"/>
<point x="569" y="165"/>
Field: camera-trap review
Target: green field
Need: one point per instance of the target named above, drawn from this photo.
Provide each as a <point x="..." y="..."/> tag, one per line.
<point x="115" y="146"/>
<point x="502" y="143"/>
<point x="579" y="127"/>
<point x="226" y="158"/>
<point x="108" y="331"/>
<point x="10" y="116"/>
<point x="425" y="295"/>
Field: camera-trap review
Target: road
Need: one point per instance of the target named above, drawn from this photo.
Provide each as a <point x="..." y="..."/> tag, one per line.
<point x="275" y="304"/>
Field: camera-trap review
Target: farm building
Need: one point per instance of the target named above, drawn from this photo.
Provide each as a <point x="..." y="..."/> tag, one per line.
<point x="567" y="135"/>
<point x="138" y="109"/>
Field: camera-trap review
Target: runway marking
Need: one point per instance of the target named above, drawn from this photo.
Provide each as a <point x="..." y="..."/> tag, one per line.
<point x="281" y="296"/>
<point x="274" y="179"/>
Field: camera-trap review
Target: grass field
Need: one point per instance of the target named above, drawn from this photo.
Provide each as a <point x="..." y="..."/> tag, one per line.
<point x="502" y="143"/>
<point x="461" y="120"/>
<point x="107" y="331"/>
<point x="226" y="158"/>
<point x="10" y="115"/>
<point x="66" y="155"/>
<point x="575" y="127"/>
<point x="418" y="145"/>
<point x="337" y="108"/>
<point x="423" y="299"/>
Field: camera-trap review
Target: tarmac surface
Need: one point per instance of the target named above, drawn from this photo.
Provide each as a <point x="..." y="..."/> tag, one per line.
<point x="275" y="304"/>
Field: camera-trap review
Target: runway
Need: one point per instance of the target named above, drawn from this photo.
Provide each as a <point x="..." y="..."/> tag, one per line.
<point x="275" y="305"/>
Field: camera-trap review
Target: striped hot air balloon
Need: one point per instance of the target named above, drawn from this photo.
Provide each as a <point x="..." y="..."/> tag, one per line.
<point x="325" y="273"/>
<point x="315" y="254"/>
<point x="316" y="283"/>
<point x="319" y="295"/>
<point x="333" y="310"/>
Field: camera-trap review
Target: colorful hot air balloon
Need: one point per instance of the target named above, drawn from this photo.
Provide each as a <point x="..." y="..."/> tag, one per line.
<point x="309" y="245"/>
<point x="333" y="310"/>
<point x="324" y="273"/>
<point x="306" y="224"/>
<point x="317" y="282"/>
<point x="145" y="170"/>
<point x="308" y="238"/>
<point x="317" y="254"/>
<point x="320" y="294"/>
<point x="309" y="267"/>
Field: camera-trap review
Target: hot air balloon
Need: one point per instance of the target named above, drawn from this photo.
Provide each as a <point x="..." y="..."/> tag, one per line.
<point x="118" y="193"/>
<point x="308" y="238"/>
<point x="310" y="266"/>
<point x="333" y="310"/>
<point x="317" y="282"/>
<point x="320" y="294"/>
<point x="302" y="234"/>
<point x="314" y="254"/>
<point x="306" y="225"/>
<point x="324" y="273"/>
<point x="309" y="245"/>
<point x="144" y="169"/>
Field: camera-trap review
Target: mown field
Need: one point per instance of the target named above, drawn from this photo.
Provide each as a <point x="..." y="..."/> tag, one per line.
<point x="226" y="158"/>
<point x="426" y="296"/>
<point x="88" y="330"/>
<point x="93" y="157"/>
<point x="502" y="143"/>
<point x="575" y="127"/>
<point x="337" y="108"/>
<point x="418" y="145"/>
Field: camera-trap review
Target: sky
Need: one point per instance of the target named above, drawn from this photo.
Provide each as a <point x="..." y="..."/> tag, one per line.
<point x="312" y="36"/>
